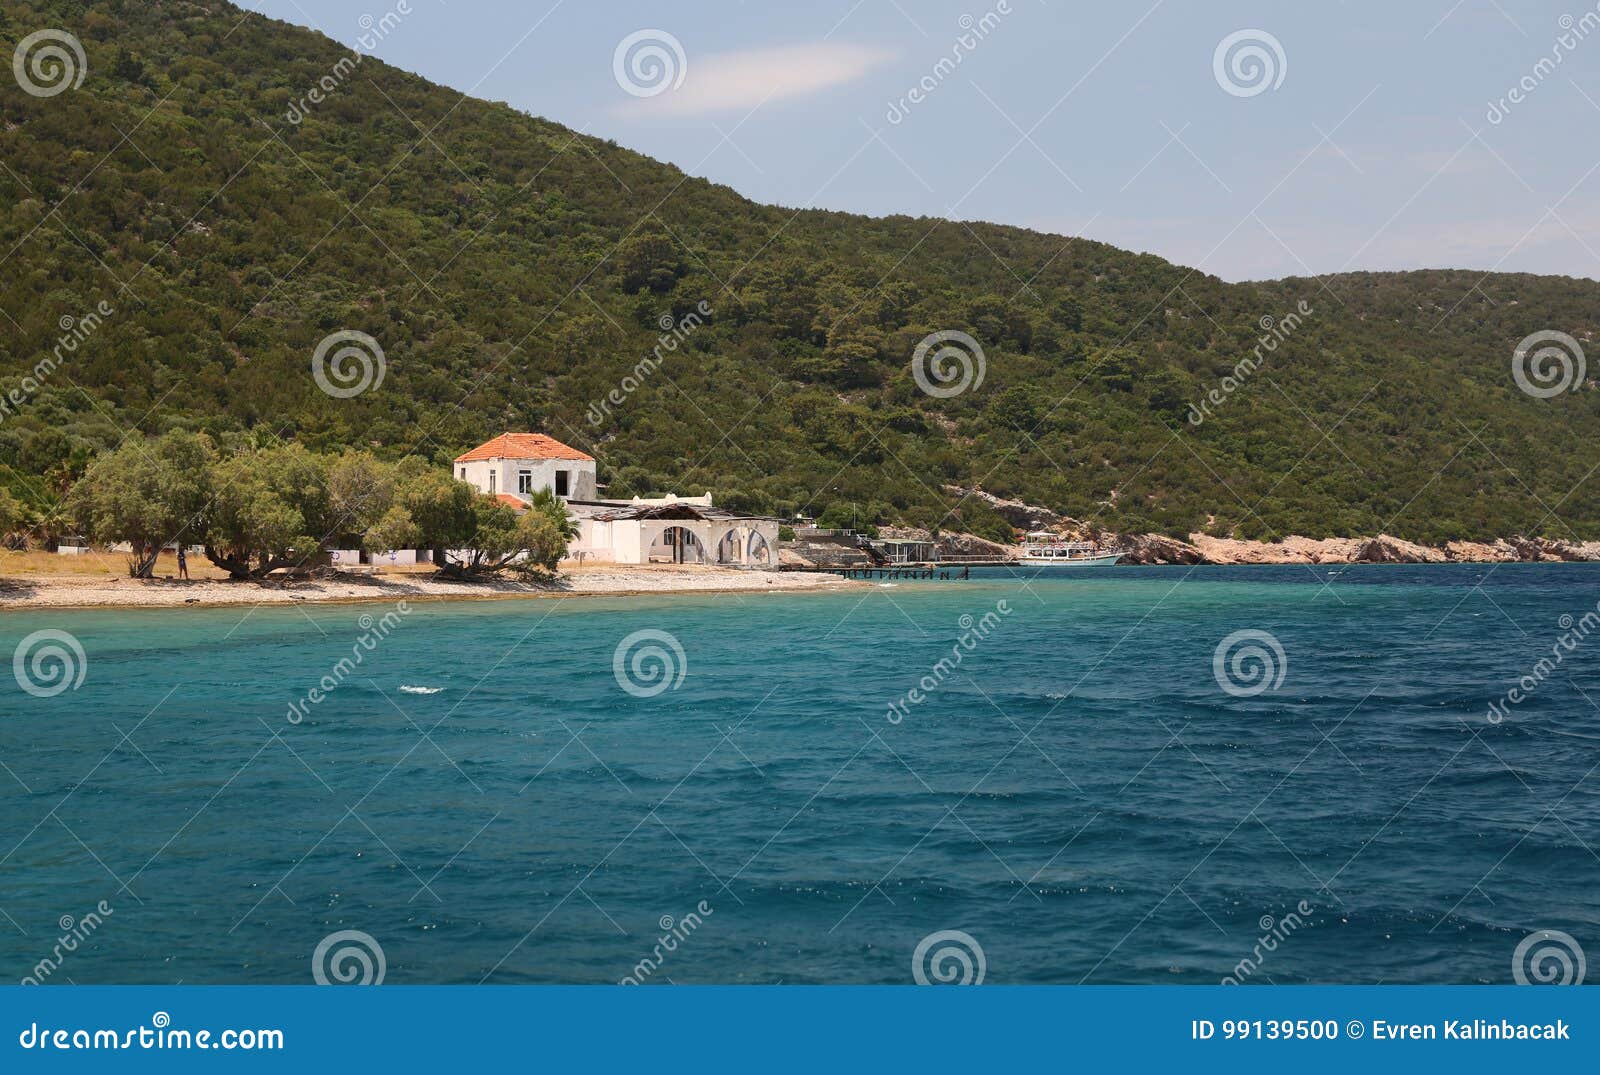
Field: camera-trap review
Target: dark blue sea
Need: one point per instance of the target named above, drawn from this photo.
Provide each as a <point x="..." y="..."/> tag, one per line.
<point x="1170" y="775"/>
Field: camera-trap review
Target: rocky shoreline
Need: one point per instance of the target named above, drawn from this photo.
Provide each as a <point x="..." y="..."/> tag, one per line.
<point x="1206" y="549"/>
<point x="1383" y="549"/>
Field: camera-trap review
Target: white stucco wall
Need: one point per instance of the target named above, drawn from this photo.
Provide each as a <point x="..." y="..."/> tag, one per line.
<point x="541" y="472"/>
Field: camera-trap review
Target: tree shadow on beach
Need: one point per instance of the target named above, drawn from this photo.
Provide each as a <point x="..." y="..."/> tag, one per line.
<point x="17" y="589"/>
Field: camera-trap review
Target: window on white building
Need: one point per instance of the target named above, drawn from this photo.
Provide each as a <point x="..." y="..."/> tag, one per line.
<point x="524" y="481"/>
<point x="561" y="483"/>
<point x="491" y="483"/>
<point x="463" y="473"/>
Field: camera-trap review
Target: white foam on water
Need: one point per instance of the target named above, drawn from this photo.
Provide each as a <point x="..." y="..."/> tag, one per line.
<point x="420" y="690"/>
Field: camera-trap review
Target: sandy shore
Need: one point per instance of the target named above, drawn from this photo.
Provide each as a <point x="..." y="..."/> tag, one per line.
<point x="100" y="591"/>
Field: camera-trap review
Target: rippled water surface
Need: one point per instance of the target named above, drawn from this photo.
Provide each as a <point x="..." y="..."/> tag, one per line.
<point x="1077" y="792"/>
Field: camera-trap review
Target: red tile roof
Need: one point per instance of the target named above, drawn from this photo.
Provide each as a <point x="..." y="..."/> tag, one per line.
<point x="514" y="501"/>
<point x="523" y="446"/>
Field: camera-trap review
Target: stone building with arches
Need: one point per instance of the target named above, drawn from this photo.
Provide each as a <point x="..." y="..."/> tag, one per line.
<point x="664" y="530"/>
<point x="673" y="531"/>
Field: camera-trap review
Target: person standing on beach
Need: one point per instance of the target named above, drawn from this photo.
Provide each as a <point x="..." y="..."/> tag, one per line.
<point x="183" y="564"/>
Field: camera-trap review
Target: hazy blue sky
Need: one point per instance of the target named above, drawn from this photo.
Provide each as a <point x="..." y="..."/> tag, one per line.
<point x="1370" y="147"/>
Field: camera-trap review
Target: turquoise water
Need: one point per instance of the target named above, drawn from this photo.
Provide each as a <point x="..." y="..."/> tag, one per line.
<point x="1078" y="793"/>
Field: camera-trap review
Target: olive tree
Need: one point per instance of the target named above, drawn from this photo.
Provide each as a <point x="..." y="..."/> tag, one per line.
<point x="435" y="511"/>
<point x="487" y="534"/>
<point x="147" y="492"/>
<point x="272" y="510"/>
<point x="361" y="490"/>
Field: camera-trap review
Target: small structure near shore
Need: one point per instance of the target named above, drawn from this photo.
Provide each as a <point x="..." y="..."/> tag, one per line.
<point x="666" y="530"/>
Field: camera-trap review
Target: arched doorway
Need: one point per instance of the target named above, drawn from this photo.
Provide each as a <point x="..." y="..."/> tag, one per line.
<point x="760" y="550"/>
<point x="676" y="545"/>
<point x="730" y="550"/>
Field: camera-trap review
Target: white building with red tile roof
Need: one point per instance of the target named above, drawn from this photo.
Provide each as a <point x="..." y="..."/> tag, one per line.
<point x="521" y="464"/>
<point x="668" y="530"/>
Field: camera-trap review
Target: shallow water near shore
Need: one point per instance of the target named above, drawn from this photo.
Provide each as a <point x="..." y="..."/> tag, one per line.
<point x="1077" y="791"/>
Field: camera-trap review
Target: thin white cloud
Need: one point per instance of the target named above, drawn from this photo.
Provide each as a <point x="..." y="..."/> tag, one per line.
<point x="739" y="81"/>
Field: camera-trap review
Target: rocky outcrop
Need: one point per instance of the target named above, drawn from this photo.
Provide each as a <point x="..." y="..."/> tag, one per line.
<point x="1532" y="550"/>
<point x="1158" y="549"/>
<point x="1206" y="549"/>
<point x="1291" y="550"/>
<point x="905" y="533"/>
<point x="971" y="545"/>
<point x="1481" y="552"/>
<point x="1570" y="551"/>
<point x="1020" y="515"/>
<point x="1384" y="549"/>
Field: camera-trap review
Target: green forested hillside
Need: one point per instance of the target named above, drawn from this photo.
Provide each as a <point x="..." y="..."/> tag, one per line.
<point x="514" y="272"/>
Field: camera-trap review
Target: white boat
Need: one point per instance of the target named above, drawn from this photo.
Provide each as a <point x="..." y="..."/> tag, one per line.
<point x="1043" y="547"/>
